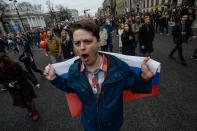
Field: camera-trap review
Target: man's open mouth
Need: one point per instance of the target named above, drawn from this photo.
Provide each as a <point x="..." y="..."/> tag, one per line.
<point x="85" y="56"/>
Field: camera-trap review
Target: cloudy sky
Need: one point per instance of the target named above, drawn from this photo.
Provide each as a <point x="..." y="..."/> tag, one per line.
<point x="80" y="5"/>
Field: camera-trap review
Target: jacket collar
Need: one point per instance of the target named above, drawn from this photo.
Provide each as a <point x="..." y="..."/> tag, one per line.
<point x="111" y="69"/>
<point x="102" y="67"/>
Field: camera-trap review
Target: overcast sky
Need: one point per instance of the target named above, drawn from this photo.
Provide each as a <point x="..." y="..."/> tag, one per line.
<point x="80" y="5"/>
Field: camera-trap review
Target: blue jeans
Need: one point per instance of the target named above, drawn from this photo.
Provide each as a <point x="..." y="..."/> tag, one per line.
<point x="164" y="26"/>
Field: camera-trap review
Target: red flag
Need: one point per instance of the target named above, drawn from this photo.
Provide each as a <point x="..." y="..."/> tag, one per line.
<point x="128" y="95"/>
<point x="75" y="105"/>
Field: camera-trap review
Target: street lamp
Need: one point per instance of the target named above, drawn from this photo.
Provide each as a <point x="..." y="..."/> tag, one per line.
<point x="85" y="11"/>
<point x="54" y="15"/>
<point x="14" y="1"/>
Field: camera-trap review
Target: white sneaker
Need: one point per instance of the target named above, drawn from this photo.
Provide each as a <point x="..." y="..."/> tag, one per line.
<point x="3" y="89"/>
<point x="37" y="86"/>
<point x="194" y="58"/>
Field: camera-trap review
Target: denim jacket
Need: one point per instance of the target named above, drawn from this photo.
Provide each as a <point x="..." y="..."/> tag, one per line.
<point x="106" y="112"/>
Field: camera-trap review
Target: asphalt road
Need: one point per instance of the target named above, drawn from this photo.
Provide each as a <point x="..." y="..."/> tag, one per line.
<point x="174" y="109"/>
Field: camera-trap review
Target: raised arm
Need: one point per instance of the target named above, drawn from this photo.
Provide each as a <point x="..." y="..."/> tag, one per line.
<point x="142" y="82"/>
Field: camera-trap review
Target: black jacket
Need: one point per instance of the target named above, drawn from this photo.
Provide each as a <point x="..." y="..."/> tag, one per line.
<point x="2" y="45"/>
<point x="146" y="37"/>
<point x="27" y="55"/>
<point x="178" y="38"/>
<point x="67" y="49"/>
<point x="22" y="92"/>
<point x="128" y="46"/>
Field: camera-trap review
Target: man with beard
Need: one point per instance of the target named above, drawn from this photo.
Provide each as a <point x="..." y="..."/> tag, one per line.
<point x="53" y="47"/>
<point x="99" y="80"/>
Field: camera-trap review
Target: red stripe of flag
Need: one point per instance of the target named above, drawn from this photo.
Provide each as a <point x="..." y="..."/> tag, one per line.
<point x="75" y="105"/>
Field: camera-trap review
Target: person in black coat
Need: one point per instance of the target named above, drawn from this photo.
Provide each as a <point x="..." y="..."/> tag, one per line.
<point x="191" y="16"/>
<point x="66" y="44"/>
<point x="146" y="37"/>
<point x="128" y="41"/>
<point x="20" y="85"/>
<point x="27" y="57"/>
<point x="2" y="50"/>
<point x="3" y="45"/>
<point x="181" y="33"/>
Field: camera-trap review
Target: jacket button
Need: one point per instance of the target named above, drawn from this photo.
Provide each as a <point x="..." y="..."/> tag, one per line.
<point x="88" y="121"/>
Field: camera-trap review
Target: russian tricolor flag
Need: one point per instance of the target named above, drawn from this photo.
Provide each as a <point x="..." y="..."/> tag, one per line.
<point x="134" y="62"/>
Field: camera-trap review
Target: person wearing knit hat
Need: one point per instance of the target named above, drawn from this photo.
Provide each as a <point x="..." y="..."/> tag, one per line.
<point x="26" y="57"/>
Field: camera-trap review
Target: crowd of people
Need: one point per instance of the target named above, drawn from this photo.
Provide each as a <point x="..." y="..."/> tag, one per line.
<point x="136" y="29"/>
<point x="139" y="29"/>
<point x="84" y="39"/>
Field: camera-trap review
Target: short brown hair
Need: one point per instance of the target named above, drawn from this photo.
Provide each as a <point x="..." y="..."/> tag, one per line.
<point x="87" y="25"/>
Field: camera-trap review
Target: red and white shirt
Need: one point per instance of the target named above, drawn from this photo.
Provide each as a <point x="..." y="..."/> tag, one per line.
<point x="97" y="77"/>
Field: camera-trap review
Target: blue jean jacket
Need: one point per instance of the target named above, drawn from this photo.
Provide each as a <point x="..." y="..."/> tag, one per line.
<point x="106" y="112"/>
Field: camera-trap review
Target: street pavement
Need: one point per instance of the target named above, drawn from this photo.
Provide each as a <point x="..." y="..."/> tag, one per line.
<point x="174" y="109"/>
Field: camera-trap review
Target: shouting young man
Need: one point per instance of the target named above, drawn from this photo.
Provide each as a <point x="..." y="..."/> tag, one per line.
<point x="99" y="80"/>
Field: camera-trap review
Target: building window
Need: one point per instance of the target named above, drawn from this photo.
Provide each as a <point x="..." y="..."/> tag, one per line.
<point x="157" y="2"/>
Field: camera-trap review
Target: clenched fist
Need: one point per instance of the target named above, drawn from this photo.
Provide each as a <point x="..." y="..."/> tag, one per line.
<point x="49" y="72"/>
<point x="146" y="72"/>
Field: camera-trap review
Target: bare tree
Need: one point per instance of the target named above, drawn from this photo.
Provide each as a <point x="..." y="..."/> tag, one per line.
<point x="25" y="6"/>
<point x="60" y="7"/>
<point x="49" y="5"/>
<point x="37" y="7"/>
<point x="51" y="11"/>
<point x="3" y="9"/>
<point x="63" y="12"/>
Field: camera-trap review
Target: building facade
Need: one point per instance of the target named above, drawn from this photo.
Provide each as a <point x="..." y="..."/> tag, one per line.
<point x="131" y="5"/>
<point x="151" y="5"/>
<point x="74" y="13"/>
<point x="107" y="7"/>
<point x="23" y="20"/>
<point x="100" y="13"/>
<point x="120" y="7"/>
